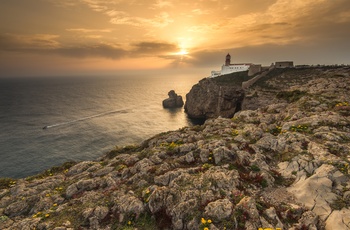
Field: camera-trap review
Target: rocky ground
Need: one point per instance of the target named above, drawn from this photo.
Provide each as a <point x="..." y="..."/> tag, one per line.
<point x="283" y="164"/>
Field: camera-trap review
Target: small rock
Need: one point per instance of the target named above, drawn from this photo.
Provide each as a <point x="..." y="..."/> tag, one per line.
<point x="219" y="209"/>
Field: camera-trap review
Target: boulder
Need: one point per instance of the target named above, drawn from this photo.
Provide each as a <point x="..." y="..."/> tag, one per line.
<point x="174" y="100"/>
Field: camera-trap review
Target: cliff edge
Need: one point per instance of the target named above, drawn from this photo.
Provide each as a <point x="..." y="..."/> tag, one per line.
<point x="213" y="97"/>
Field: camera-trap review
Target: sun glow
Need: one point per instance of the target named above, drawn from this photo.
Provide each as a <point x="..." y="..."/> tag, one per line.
<point x="182" y="52"/>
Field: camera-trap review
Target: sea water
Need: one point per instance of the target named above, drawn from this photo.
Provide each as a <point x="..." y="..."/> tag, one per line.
<point x="45" y="122"/>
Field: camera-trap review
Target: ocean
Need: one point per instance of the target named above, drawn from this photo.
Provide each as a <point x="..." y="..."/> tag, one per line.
<point x="45" y="122"/>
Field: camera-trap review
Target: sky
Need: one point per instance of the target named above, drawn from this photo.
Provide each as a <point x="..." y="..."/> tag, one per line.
<point x="91" y="37"/>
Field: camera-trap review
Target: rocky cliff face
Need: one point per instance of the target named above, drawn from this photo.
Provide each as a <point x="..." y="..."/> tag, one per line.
<point x="208" y="99"/>
<point x="282" y="165"/>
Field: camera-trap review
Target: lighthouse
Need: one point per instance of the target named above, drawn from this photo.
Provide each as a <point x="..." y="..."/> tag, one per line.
<point x="228" y="60"/>
<point x="228" y="68"/>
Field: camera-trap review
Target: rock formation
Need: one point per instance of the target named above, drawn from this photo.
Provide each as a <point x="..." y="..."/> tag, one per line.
<point x="208" y="99"/>
<point x="283" y="165"/>
<point x="174" y="100"/>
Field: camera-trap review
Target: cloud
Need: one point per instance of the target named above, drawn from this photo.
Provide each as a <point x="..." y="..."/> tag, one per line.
<point x="11" y="42"/>
<point x="83" y="30"/>
<point x="200" y="12"/>
<point x="154" y="48"/>
<point x="46" y="44"/>
<point x="100" y="50"/>
<point x="207" y="58"/>
<point x="64" y="3"/>
<point x="162" y="4"/>
<point x="121" y="18"/>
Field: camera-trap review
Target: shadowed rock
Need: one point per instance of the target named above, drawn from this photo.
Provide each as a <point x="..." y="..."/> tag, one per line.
<point x="207" y="99"/>
<point x="174" y="100"/>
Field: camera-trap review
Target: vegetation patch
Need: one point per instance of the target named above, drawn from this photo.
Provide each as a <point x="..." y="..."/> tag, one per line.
<point x="235" y="79"/>
<point x="291" y="96"/>
<point x="255" y="168"/>
<point x="287" y="155"/>
<point x="54" y="170"/>
<point x="343" y="108"/>
<point x="7" y="183"/>
<point x="240" y="217"/>
<point x="205" y="224"/>
<point x="256" y="178"/>
<point x="127" y="149"/>
<point x="198" y="128"/>
<point x="340" y="203"/>
<point x="303" y="128"/>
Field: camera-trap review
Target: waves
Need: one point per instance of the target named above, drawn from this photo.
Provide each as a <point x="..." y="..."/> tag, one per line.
<point x="87" y="118"/>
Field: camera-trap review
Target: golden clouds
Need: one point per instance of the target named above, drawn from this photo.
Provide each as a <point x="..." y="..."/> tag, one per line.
<point x="126" y="30"/>
<point x="121" y="18"/>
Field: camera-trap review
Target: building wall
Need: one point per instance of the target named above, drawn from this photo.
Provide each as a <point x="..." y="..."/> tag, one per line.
<point x="234" y="68"/>
<point x="284" y="64"/>
<point x="253" y="69"/>
<point x="215" y="73"/>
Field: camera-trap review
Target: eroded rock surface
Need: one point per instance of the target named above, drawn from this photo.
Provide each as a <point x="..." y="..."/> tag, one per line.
<point x="283" y="165"/>
<point x="208" y="99"/>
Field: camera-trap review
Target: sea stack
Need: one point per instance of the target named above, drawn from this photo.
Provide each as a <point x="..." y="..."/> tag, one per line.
<point x="174" y="100"/>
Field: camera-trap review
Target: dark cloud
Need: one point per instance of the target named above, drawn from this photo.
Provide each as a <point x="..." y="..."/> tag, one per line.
<point x="106" y="51"/>
<point x="266" y="26"/>
<point x="154" y="48"/>
<point x="28" y="43"/>
<point x="48" y="45"/>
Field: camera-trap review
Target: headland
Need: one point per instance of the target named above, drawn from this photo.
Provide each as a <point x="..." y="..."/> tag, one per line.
<point x="281" y="161"/>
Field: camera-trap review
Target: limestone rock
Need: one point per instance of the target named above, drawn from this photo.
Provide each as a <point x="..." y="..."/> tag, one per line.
<point x="207" y="99"/>
<point x="174" y="100"/>
<point x="339" y="219"/>
<point x="219" y="209"/>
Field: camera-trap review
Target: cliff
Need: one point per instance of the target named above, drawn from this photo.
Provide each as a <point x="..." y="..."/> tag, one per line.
<point x="213" y="97"/>
<point x="283" y="162"/>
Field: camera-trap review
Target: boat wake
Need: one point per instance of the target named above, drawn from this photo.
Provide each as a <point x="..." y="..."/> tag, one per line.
<point x="86" y="118"/>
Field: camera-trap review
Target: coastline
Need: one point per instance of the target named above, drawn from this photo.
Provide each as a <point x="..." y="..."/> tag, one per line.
<point x="283" y="165"/>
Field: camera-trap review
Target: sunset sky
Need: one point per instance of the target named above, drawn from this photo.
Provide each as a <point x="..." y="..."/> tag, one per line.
<point x="77" y="37"/>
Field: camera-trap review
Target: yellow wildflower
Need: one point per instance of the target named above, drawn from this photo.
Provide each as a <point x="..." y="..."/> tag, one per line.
<point x="129" y="222"/>
<point x="209" y="221"/>
<point x="206" y="228"/>
<point x="203" y="221"/>
<point x="47" y="215"/>
<point x="54" y="204"/>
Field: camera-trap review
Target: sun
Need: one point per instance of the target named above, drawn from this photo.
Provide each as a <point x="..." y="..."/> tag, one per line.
<point x="182" y="52"/>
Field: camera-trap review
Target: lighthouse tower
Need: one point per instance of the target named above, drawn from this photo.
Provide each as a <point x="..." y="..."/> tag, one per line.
<point x="228" y="60"/>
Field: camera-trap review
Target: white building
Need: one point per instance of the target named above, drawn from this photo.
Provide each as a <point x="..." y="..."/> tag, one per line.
<point x="228" y="68"/>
